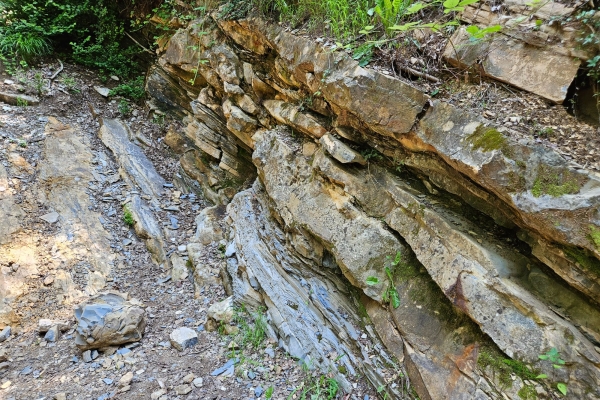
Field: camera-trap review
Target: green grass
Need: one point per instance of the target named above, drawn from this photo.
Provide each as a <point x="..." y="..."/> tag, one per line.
<point x="342" y="19"/>
<point x="127" y="216"/>
<point x="252" y="325"/>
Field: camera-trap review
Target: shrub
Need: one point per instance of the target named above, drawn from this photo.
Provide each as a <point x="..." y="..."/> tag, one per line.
<point x="33" y="28"/>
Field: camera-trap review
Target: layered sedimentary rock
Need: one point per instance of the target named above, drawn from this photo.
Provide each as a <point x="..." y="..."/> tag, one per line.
<point x="497" y="236"/>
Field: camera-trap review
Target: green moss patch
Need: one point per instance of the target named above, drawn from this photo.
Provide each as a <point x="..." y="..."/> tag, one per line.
<point x="503" y="367"/>
<point x="528" y="392"/>
<point x="556" y="182"/>
<point x="595" y="236"/>
<point x="487" y="139"/>
<point x="586" y="262"/>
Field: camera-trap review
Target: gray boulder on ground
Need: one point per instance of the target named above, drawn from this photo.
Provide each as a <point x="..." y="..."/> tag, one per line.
<point x="108" y="320"/>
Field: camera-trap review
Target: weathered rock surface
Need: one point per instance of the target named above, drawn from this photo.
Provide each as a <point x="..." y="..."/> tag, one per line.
<point x="11" y="212"/>
<point x="182" y="338"/>
<point x="222" y="311"/>
<point x="108" y="320"/>
<point x="266" y="270"/>
<point x="498" y="234"/>
<point x="19" y="99"/>
<point x="64" y="177"/>
<point x="136" y="167"/>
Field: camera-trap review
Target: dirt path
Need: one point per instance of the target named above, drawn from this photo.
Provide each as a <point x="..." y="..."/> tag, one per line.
<point x="63" y="239"/>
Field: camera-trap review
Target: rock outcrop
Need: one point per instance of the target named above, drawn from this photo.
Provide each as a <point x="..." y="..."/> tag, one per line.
<point x="497" y="239"/>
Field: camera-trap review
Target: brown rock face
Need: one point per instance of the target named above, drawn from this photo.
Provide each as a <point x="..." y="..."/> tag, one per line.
<point x="498" y="237"/>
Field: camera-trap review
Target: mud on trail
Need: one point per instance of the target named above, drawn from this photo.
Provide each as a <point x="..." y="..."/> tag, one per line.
<point x="63" y="240"/>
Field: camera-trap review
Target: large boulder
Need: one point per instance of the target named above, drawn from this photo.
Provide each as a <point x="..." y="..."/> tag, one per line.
<point x="108" y="320"/>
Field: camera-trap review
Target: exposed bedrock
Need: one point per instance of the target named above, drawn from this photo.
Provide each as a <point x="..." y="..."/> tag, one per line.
<point x="330" y="169"/>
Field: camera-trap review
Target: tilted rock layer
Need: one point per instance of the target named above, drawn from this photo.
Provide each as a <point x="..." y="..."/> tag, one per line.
<point x="499" y="239"/>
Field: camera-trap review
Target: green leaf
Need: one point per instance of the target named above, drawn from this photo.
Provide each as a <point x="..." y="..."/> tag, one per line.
<point x="556" y="366"/>
<point x="472" y="29"/>
<point x="372" y="280"/>
<point x="562" y="388"/>
<point x="416" y="7"/>
<point x="449" y="10"/>
<point x="464" y="3"/>
<point x="397" y="259"/>
<point x="395" y="300"/>
<point x="451" y="3"/>
<point x="543" y="357"/>
<point x="541" y="376"/>
<point x="404" y="27"/>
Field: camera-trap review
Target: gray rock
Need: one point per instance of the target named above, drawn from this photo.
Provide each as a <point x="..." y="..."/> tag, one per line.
<point x="108" y="320"/>
<point x="227" y="369"/>
<point x="102" y="91"/>
<point x="52" y="335"/>
<point x="270" y="352"/>
<point x="341" y="151"/>
<point x="182" y="338"/>
<point x="17" y="99"/>
<point x="27" y="370"/>
<point x="51" y="218"/>
<point x="179" y="270"/>
<point x="258" y="391"/>
<point x="198" y="382"/>
<point x="87" y="356"/>
<point x="4" y="366"/>
<point x="108" y="381"/>
<point x="208" y="229"/>
<point x="5" y="334"/>
<point x="3" y="355"/>
<point x="45" y="324"/>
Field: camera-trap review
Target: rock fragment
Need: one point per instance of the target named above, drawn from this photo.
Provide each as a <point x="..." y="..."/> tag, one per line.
<point x="182" y="338"/>
<point x="222" y="311"/>
<point x="108" y="320"/>
<point x="51" y="217"/>
<point x="52" y="335"/>
<point x="340" y="151"/>
<point x="5" y="334"/>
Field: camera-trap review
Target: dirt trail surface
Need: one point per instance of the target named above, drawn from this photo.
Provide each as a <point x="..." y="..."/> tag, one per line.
<point x="63" y="240"/>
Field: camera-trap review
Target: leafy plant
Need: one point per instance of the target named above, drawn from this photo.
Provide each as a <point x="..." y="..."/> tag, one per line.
<point x="133" y="90"/>
<point x="29" y="29"/>
<point x="390" y="295"/>
<point x="553" y="356"/>
<point x="70" y="83"/>
<point x="477" y="33"/>
<point x="123" y="107"/>
<point x="21" y="102"/>
<point x="127" y="216"/>
<point x="38" y="82"/>
<point x="269" y="393"/>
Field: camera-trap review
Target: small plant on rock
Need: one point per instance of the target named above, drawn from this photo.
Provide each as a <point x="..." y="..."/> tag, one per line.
<point x="127" y="216"/>
<point x="390" y="295"/>
<point x="557" y="362"/>
<point x="124" y="107"/>
<point x="22" y="102"/>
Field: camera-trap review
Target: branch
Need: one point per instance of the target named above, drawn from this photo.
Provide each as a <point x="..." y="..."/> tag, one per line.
<point x="420" y="74"/>
<point x="57" y="72"/>
<point x="138" y="43"/>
